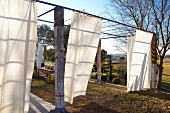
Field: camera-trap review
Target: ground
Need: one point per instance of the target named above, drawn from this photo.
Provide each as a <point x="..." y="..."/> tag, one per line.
<point x="102" y="98"/>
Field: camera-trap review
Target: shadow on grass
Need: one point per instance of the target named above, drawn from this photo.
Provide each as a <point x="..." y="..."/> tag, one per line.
<point x="160" y="95"/>
<point x="166" y="74"/>
<point x="165" y="87"/>
<point x="93" y="107"/>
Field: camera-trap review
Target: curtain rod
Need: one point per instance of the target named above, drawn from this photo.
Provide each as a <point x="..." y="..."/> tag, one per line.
<point x="114" y="37"/>
<point x="45" y="12"/>
<point x="45" y="21"/>
<point x="84" y="13"/>
<point x="69" y="25"/>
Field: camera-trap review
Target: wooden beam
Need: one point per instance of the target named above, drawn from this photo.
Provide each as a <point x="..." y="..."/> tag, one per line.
<point x="59" y="60"/>
<point x="154" y="70"/>
<point x="99" y="62"/>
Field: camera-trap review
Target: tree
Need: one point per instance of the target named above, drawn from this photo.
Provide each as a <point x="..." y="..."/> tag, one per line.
<point x="66" y="35"/>
<point x="122" y="61"/>
<point x="46" y="37"/>
<point x="161" y="11"/>
<point x="45" y="34"/>
<point x="103" y="55"/>
<point x="149" y="15"/>
<point x="49" y="55"/>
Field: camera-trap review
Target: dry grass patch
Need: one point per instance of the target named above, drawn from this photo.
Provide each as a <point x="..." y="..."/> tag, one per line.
<point x="101" y="98"/>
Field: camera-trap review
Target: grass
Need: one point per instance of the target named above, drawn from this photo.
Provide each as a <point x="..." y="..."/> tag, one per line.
<point x="166" y="69"/>
<point x="102" y="98"/>
<point x="43" y="89"/>
<point x="165" y="86"/>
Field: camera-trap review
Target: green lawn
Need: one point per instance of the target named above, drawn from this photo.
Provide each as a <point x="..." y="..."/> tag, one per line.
<point x="166" y="78"/>
<point x="165" y="86"/>
<point x="166" y="69"/>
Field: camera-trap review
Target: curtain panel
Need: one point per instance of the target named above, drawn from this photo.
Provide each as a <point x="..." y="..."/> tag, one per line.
<point x="18" y="28"/>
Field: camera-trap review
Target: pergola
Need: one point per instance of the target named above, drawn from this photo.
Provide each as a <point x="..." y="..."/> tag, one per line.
<point x="110" y="26"/>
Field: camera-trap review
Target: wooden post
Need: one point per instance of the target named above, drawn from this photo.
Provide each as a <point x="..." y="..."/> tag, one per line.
<point x="110" y="76"/>
<point x="154" y="61"/>
<point x="45" y="50"/>
<point x="59" y="60"/>
<point x="99" y="62"/>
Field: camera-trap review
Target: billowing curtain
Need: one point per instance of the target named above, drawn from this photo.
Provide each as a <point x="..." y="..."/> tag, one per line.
<point x="81" y="51"/>
<point x="139" y="61"/>
<point x="18" y="28"/>
<point x="40" y="52"/>
<point x="130" y="45"/>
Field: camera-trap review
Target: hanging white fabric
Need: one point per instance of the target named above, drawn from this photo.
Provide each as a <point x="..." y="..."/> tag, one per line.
<point x="40" y="52"/>
<point x="81" y="51"/>
<point x="139" y="61"/>
<point x="18" y="28"/>
<point x="130" y="44"/>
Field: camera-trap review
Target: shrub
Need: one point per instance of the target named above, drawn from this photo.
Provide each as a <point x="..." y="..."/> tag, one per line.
<point x="111" y="77"/>
<point x="123" y="82"/>
<point x="104" y="78"/>
<point x="116" y="80"/>
<point x="93" y="77"/>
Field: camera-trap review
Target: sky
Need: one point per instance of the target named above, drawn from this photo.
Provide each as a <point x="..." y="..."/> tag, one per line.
<point x="96" y="7"/>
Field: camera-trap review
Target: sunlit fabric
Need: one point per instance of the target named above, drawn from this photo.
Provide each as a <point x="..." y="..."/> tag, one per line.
<point x="18" y="29"/>
<point x="40" y="52"/>
<point x="139" y="61"/>
<point x="130" y="45"/>
<point x="81" y="51"/>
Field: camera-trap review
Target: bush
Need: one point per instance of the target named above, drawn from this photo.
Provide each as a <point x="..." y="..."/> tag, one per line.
<point x="93" y="77"/>
<point x="111" y="77"/>
<point x="123" y="82"/>
<point x="104" y="78"/>
<point x="116" y="80"/>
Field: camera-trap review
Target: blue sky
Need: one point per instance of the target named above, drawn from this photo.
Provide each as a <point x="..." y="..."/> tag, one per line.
<point x="96" y="7"/>
<point x="92" y="6"/>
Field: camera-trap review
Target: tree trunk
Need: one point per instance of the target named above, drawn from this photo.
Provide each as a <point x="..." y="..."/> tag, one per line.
<point x="99" y="62"/>
<point x="59" y="60"/>
<point x="160" y="71"/>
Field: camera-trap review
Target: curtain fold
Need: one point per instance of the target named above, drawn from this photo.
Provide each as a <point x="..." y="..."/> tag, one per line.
<point x="139" y="61"/>
<point x="81" y="51"/>
<point x="130" y="45"/>
<point x="18" y="28"/>
<point x="40" y="52"/>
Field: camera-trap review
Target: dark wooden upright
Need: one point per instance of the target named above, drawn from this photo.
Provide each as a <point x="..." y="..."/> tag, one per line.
<point x="59" y="59"/>
<point x="99" y="62"/>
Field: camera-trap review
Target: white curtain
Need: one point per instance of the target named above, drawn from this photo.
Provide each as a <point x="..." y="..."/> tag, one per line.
<point x="81" y="51"/>
<point x="18" y="29"/>
<point x="40" y="52"/>
<point x="139" y="61"/>
<point x="130" y="44"/>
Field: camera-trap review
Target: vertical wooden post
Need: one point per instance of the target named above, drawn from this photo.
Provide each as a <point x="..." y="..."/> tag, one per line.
<point x="59" y="60"/>
<point x="154" y="61"/>
<point x="110" y="76"/>
<point x="99" y="62"/>
<point x="154" y="77"/>
<point x="45" y="50"/>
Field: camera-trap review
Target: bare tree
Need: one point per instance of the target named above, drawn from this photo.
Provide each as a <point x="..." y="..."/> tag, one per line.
<point x="161" y="12"/>
<point x="149" y="15"/>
